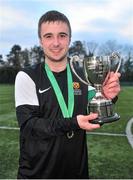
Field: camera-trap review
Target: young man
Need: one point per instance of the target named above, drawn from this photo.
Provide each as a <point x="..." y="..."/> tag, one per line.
<point x="51" y="114"/>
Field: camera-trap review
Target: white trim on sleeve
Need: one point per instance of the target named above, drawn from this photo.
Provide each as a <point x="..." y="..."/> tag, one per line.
<point x="25" y="90"/>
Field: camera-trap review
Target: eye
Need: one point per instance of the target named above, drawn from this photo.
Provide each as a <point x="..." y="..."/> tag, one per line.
<point x="63" y="35"/>
<point x="48" y="36"/>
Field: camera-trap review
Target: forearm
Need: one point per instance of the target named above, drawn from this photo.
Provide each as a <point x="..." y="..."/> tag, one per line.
<point x="36" y="125"/>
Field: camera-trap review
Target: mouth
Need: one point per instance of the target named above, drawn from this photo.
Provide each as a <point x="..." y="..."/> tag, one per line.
<point x="56" y="51"/>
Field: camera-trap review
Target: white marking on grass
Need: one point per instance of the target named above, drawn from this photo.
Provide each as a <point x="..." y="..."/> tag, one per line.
<point x="129" y="132"/>
<point x="106" y="134"/>
<point x="95" y="133"/>
<point x="9" y="128"/>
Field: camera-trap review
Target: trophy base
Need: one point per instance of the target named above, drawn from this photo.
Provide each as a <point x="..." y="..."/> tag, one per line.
<point x="102" y="120"/>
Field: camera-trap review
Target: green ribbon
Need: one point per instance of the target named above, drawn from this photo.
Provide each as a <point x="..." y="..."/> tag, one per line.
<point x="67" y="112"/>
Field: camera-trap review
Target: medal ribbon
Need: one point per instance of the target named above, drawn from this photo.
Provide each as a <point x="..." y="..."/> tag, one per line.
<point x="67" y="112"/>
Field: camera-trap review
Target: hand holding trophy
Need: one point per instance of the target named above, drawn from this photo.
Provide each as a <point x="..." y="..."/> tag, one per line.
<point x="96" y="69"/>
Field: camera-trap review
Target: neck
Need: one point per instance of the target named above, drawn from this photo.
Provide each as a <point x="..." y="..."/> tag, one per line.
<point x="56" y="66"/>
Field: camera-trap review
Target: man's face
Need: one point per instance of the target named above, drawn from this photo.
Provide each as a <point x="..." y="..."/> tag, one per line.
<point x="55" y="40"/>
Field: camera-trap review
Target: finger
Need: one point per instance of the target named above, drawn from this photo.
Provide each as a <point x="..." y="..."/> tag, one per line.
<point x="112" y="93"/>
<point x="88" y="117"/>
<point x="91" y="116"/>
<point x="91" y="126"/>
<point x="108" y="78"/>
<point x="84" y="121"/>
<point x="114" y="84"/>
<point x="112" y="79"/>
<point x="111" y="76"/>
<point x="116" y="74"/>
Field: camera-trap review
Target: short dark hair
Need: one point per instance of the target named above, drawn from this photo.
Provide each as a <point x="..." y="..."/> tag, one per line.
<point x="52" y="16"/>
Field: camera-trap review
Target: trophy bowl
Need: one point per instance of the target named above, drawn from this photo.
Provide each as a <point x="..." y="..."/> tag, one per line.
<point x="96" y="70"/>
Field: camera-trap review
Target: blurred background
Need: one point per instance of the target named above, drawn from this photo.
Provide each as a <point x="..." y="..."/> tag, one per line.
<point x="98" y="28"/>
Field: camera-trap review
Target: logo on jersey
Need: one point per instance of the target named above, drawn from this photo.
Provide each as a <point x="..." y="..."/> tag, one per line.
<point x="44" y="90"/>
<point x="76" y="87"/>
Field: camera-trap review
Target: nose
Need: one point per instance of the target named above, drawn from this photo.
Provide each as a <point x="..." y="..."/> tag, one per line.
<point x="56" y="41"/>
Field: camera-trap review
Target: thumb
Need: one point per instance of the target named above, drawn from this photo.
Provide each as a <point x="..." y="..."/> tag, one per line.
<point x="86" y="118"/>
<point x="92" y="116"/>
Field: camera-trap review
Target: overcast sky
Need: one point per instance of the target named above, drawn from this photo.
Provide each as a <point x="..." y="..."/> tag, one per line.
<point x="91" y="20"/>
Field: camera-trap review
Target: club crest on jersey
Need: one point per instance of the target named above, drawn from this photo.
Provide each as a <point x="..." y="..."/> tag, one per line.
<point x="76" y="87"/>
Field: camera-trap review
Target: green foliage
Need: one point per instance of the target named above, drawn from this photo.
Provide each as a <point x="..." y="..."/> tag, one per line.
<point x="8" y="74"/>
<point x="110" y="157"/>
<point x="14" y="56"/>
<point x="128" y="70"/>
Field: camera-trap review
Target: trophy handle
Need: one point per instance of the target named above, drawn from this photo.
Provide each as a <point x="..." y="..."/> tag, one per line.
<point x="116" y="55"/>
<point x="72" y="59"/>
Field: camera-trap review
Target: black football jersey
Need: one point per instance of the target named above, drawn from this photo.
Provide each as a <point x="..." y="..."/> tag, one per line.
<point x="47" y="149"/>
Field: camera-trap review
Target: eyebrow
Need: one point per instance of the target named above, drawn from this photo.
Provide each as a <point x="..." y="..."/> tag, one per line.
<point x="64" y="33"/>
<point x="49" y="34"/>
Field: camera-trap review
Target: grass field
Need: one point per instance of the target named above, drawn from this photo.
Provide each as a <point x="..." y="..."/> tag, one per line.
<point x="110" y="157"/>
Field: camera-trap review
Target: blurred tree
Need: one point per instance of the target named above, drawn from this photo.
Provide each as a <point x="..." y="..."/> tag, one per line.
<point x="110" y="46"/>
<point x="1" y="57"/>
<point x="128" y="69"/>
<point x="36" y="54"/>
<point x="77" y="48"/>
<point x="18" y="58"/>
<point x="14" y="56"/>
<point x="1" y="60"/>
<point x="90" y="47"/>
<point x="25" y="56"/>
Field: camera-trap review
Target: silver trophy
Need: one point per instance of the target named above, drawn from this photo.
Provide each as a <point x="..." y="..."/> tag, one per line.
<point x="96" y="70"/>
